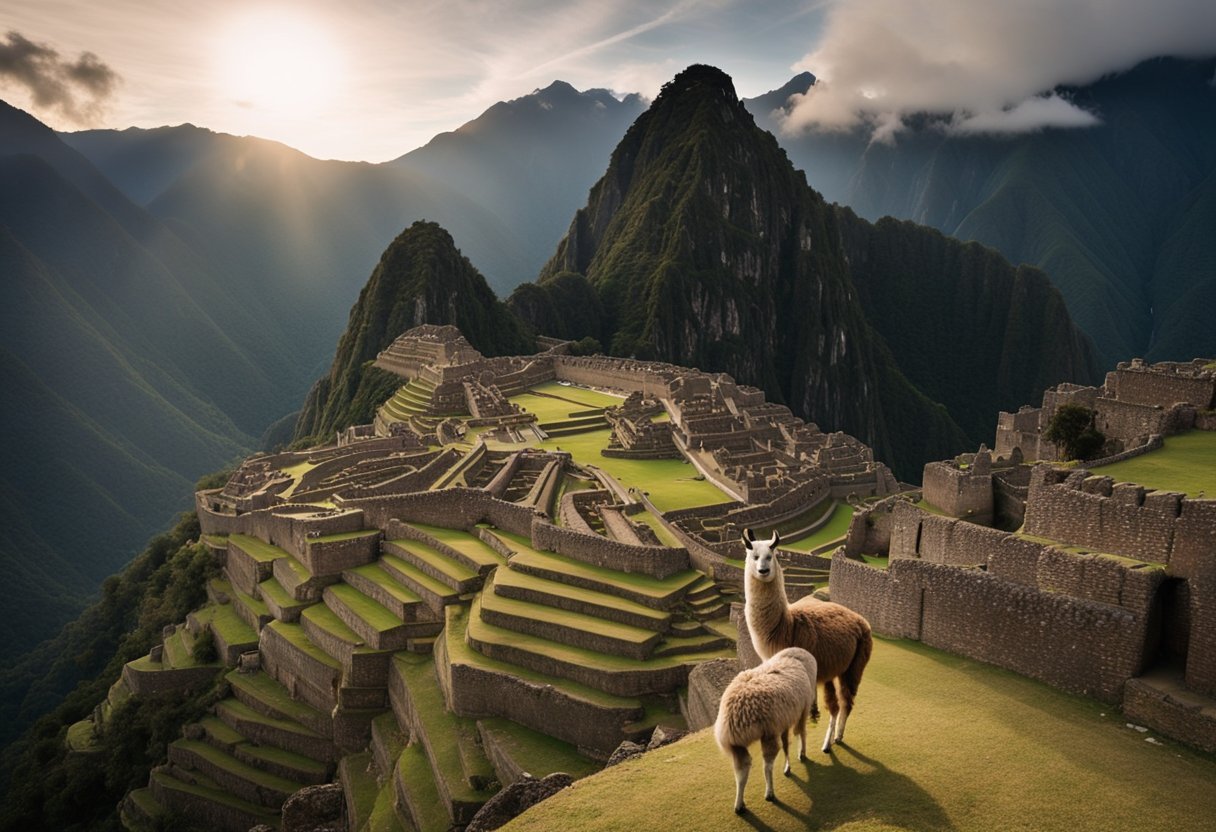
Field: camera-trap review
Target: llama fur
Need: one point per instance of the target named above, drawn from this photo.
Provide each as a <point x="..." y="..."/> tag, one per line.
<point x="763" y="704"/>
<point x="838" y="638"/>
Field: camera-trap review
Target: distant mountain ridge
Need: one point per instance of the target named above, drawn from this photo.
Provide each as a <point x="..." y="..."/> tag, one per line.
<point x="1118" y="215"/>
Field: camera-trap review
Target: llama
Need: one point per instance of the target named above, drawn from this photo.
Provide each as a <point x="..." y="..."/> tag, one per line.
<point x="837" y="637"/>
<point x="763" y="703"/>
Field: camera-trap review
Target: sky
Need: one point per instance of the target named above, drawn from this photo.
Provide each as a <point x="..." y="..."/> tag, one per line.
<point x="372" y="79"/>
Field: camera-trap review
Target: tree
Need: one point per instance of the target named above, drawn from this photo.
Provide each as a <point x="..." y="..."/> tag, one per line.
<point x="1072" y="429"/>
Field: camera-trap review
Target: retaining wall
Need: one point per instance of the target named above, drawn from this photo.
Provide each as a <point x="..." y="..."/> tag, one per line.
<point x="658" y="561"/>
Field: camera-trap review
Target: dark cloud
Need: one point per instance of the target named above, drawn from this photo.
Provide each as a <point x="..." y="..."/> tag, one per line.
<point x="78" y="90"/>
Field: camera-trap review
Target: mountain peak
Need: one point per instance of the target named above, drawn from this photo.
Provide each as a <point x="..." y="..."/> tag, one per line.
<point x="700" y="79"/>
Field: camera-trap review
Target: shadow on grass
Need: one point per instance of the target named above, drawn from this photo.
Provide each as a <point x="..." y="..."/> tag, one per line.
<point x="853" y="787"/>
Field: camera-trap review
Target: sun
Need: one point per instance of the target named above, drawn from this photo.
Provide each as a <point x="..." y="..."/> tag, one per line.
<point x="277" y="61"/>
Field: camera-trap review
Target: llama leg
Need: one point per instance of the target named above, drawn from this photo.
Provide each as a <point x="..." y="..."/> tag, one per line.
<point x="802" y="736"/>
<point x="829" y="699"/>
<point x="743" y="765"/>
<point x="785" y="747"/>
<point x="768" y="745"/>
<point x="845" y="710"/>
<point x="850" y="680"/>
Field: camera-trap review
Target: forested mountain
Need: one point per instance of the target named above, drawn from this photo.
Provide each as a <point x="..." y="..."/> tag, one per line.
<point x="703" y="246"/>
<point x="421" y="279"/>
<point x="1118" y="215"/>
<point x="121" y="387"/>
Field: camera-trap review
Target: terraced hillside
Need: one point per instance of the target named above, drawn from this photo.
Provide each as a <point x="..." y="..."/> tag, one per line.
<point x="498" y="576"/>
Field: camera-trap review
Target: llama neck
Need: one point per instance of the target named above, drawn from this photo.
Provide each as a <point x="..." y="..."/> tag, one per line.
<point x="767" y="608"/>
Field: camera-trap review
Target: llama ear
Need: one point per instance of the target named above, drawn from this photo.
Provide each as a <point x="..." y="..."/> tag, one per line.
<point x="776" y="539"/>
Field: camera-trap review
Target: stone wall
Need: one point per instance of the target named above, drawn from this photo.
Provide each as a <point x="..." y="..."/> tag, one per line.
<point x="659" y="561"/>
<point x="1163" y="385"/>
<point x="1121" y="519"/>
<point x="1164" y="711"/>
<point x="959" y="492"/>
<point x="1073" y="644"/>
<point x="331" y="557"/>
<point x="454" y="508"/>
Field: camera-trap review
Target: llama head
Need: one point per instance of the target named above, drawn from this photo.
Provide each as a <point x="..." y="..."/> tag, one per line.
<point x="760" y="556"/>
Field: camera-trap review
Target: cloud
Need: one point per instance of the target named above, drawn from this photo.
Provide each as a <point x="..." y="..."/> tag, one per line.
<point x="987" y="67"/>
<point x="78" y="90"/>
<point x="1033" y="114"/>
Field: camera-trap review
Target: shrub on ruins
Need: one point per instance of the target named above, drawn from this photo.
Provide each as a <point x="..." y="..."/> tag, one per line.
<point x="1072" y="429"/>
<point x="204" y="651"/>
<point x="586" y="346"/>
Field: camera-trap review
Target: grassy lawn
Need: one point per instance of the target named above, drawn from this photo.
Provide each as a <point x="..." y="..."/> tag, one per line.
<point x="467" y="544"/>
<point x="937" y="742"/>
<point x="665" y="536"/>
<point x="836" y="527"/>
<point x="671" y="483"/>
<point x="1187" y="463"/>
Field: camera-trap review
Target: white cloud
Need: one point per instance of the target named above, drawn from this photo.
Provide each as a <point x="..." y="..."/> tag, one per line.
<point x="989" y="66"/>
<point x="1037" y="113"/>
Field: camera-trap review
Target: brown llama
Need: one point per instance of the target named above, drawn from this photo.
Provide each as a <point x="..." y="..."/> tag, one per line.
<point x="837" y="637"/>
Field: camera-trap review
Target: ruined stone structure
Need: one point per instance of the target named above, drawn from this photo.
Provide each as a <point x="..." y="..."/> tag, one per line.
<point x="1136" y="402"/>
<point x="1105" y="589"/>
<point x="434" y="581"/>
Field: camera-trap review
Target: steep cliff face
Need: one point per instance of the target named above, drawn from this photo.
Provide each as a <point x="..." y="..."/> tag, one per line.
<point x="705" y="247"/>
<point x="422" y="278"/>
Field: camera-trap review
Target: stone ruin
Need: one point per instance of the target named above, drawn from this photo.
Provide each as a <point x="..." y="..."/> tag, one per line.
<point x="409" y="590"/>
<point x="1098" y="587"/>
<point x="1137" y="402"/>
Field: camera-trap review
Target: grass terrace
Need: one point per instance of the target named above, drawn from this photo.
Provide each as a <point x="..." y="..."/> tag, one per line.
<point x="836" y="528"/>
<point x="296" y="472"/>
<point x="468" y="544"/>
<point x="536" y="753"/>
<point x="259" y="550"/>
<point x="1186" y="463"/>
<point x="553" y="402"/>
<point x="634" y="583"/>
<point x="938" y="742"/>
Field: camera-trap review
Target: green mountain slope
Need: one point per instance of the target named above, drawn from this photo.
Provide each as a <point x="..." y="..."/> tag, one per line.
<point x="705" y="247"/>
<point x="421" y="279"/>
<point x="127" y="374"/>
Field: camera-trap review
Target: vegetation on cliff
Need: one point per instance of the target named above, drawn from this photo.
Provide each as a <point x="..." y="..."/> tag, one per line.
<point x="704" y="247"/>
<point x="422" y="278"/>
<point x="46" y="786"/>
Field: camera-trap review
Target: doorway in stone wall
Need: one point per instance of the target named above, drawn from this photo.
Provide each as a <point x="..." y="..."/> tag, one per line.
<point x="1172" y="625"/>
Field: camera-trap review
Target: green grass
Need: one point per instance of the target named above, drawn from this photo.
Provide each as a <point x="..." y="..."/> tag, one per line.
<point x="878" y="561"/>
<point x="929" y="507"/>
<point x="444" y="563"/>
<point x="264" y="688"/>
<point x="564" y="618"/>
<point x="370" y="610"/>
<point x="464" y="542"/>
<point x="578" y="656"/>
<point x="937" y="742"/>
<point x="383" y="817"/>
<point x="536" y="753"/>
<point x="240" y="710"/>
<point x="636" y="582"/>
<point x="374" y="573"/>
<point x="362" y="785"/>
<point x="414" y="770"/>
<point x="229" y="626"/>
<point x="1187" y="463"/>
<point x="259" y="550"/>
<point x="522" y="580"/>
<point x="451" y="739"/>
<point x="295" y="635"/>
<point x="288" y="759"/>
<point x="216" y="795"/>
<point x="661" y="531"/>
<point x="340" y="536"/>
<point x="459" y="652"/>
<point x="836" y="527"/>
<point x="671" y="483"/>
<point x="80" y="735"/>
<point x="235" y="767"/>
